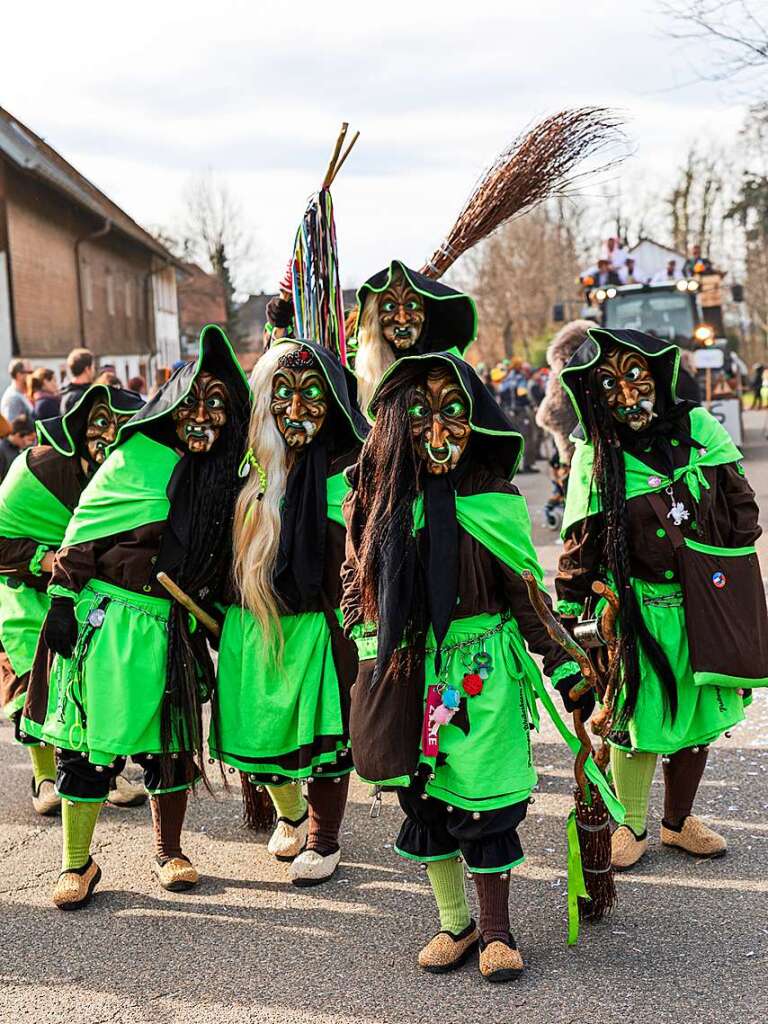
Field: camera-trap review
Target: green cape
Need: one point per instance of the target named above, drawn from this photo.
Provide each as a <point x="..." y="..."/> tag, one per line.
<point x="28" y="509"/>
<point x="715" y="448"/>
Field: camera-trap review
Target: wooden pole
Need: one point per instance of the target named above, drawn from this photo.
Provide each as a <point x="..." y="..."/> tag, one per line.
<point x="186" y="601"/>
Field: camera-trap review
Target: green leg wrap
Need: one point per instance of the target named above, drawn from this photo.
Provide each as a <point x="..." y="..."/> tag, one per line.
<point x="632" y="777"/>
<point x="288" y="800"/>
<point x="447" y="880"/>
<point x="78" y="821"/>
<point x="43" y="763"/>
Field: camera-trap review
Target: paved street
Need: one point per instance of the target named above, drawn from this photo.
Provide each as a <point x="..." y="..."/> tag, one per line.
<point x="687" y="943"/>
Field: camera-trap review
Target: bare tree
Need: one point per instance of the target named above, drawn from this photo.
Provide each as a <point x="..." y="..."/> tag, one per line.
<point x="694" y="199"/>
<point x="736" y="29"/>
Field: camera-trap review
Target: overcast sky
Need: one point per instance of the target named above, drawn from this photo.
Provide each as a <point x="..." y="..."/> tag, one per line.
<point x="140" y="96"/>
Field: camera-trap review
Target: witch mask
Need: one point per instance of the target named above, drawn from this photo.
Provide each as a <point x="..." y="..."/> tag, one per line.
<point x="101" y="430"/>
<point x="401" y="313"/>
<point x="299" y="398"/>
<point x="439" y="421"/>
<point x="201" y="414"/>
<point x="625" y="380"/>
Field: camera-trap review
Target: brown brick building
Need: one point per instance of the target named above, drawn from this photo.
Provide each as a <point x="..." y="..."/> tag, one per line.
<point x="201" y="301"/>
<point x="75" y="269"/>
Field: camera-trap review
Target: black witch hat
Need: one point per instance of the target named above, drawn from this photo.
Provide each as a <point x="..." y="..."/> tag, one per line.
<point x="451" y="316"/>
<point x="67" y="433"/>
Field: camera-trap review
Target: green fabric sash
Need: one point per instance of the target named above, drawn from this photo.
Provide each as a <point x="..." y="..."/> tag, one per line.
<point x="127" y="491"/>
<point x="715" y="449"/>
<point x="28" y="509"/>
<point x="576" y="885"/>
<point x="338" y="488"/>
<point x="500" y="522"/>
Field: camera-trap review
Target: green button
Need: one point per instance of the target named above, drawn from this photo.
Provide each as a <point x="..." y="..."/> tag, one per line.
<point x="661" y="533"/>
<point x="669" y="574"/>
<point x="694" y="525"/>
<point x="674" y="442"/>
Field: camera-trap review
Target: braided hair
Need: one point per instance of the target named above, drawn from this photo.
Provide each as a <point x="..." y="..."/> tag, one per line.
<point x="610" y="478"/>
<point x="211" y="490"/>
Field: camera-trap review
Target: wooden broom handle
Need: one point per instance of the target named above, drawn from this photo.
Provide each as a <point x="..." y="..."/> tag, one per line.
<point x="186" y="601"/>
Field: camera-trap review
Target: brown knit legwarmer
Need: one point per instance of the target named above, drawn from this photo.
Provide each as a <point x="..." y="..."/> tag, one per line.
<point x="168" y="812"/>
<point x="493" y="896"/>
<point x="682" y="775"/>
<point x="327" y="802"/>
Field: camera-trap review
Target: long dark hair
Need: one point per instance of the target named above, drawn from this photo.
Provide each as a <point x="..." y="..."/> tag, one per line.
<point x="610" y="479"/>
<point x="388" y="481"/>
<point x="211" y="488"/>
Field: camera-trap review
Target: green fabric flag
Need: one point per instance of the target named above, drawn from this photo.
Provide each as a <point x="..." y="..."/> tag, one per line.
<point x="127" y="491"/>
<point x="715" y="448"/>
<point x="28" y="509"/>
<point x="576" y="884"/>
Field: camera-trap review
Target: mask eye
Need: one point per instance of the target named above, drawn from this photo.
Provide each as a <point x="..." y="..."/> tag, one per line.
<point x="313" y="392"/>
<point x="283" y="391"/>
<point x="412" y="306"/>
<point x="215" y="403"/>
<point x="454" y="408"/>
<point x="188" y="401"/>
<point x="607" y="383"/>
<point x="632" y="373"/>
<point x="418" y="411"/>
<point x="101" y="422"/>
<point x="388" y="307"/>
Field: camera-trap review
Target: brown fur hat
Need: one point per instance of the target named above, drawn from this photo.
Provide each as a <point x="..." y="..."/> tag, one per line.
<point x="556" y="414"/>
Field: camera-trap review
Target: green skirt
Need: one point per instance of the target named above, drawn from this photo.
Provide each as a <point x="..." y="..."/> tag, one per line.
<point x="485" y="759"/>
<point x="22" y="613"/>
<point x="279" y="719"/>
<point x="703" y="712"/>
<point x="106" y="699"/>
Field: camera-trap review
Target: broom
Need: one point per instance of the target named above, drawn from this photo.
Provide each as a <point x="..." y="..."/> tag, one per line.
<point x="538" y="165"/>
<point x="595" y="889"/>
<point x="318" y="302"/>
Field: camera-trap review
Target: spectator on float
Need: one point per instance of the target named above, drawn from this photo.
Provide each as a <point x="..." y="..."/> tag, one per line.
<point x="22" y="436"/>
<point x="696" y="263"/>
<point x="44" y="393"/>
<point x="615" y="255"/>
<point x="670" y="273"/>
<point x="606" y="275"/>
<point x="80" y="369"/>
<point x="629" y="273"/>
<point x="14" y="401"/>
<point x="139" y="385"/>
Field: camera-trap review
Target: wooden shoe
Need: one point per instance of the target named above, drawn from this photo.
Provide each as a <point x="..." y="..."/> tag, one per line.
<point x="445" y="952"/>
<point x="500" y="961"/>
<point x="312" y="868"/>
<point x="75" y="886"/>
<point x="695" y="838"/>
<point x="626" y="848"/>
<point x="177" y="874"/>
<point x="289" y="838"/>
<point x="45" y="800"/>
<point x="127" y="793"/>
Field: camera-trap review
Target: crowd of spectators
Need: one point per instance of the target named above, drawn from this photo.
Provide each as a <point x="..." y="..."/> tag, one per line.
<point x="34" y="394"/>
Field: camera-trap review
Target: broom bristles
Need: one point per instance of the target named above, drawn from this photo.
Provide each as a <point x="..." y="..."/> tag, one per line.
<point x="593" y="825"/>
<point x="258" y="810"/>
<point x="538" y="165"/>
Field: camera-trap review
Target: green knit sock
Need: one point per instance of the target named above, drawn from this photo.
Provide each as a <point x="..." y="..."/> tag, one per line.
<point x="43" y="763"/>
<point x="78" y="821"/>
<point x="632" y="778"/>
<point x="288" y="800"/>
<point x="447" y="880"/>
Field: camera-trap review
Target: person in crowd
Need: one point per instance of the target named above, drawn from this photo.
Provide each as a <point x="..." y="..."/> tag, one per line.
<point x="108" y="376"/>
<point x="688" y="379"/>
<point x="44" y="393"/>
<point x="81" y="374"/>
<point x="22" y="436"/>
<point x="757" y="386"/>
<point x="139" y="385"/>
<point x="696" y="263"/>
<point x="14" y="401"/>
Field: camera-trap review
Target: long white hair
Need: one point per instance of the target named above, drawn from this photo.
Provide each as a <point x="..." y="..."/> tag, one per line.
<point x="374" y="355"/>
<point x="257" y="523"/>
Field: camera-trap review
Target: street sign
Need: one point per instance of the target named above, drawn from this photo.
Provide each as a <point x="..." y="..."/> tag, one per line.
<point x="709" y="358"/>
<point x="728" y="412"/>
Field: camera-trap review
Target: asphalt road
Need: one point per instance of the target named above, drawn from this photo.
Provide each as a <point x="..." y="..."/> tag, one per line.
<point x="687" y="943"/>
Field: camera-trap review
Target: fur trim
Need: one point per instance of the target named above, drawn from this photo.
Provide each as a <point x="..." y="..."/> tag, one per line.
<point x="556" y="414"/>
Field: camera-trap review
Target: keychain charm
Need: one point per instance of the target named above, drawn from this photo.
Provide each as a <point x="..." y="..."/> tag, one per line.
<point x="678" y="513"/>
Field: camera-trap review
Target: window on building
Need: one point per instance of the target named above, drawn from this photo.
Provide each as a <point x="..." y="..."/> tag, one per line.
<point x="87" y="281"/>
<point x="128" y="297"/>
<point x="140" y="298"/>
<point x="110" y="279"/>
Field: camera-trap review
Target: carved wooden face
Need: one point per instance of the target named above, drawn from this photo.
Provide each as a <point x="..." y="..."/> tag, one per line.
<point x="299" y="398"/>
<point x="200" y="416"/>
<point x="101" y="430"/>
<point x="401" y="313"/>
<point x="439" y="416"/>
<point x="626" y="382"/>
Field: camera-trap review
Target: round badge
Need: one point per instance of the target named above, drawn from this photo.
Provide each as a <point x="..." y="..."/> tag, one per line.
<point x="654" y="481"/>
<point x="718" y="579"/>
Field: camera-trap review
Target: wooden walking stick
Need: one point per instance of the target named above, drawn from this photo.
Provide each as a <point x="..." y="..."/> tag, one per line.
<point x="592" y="818"/>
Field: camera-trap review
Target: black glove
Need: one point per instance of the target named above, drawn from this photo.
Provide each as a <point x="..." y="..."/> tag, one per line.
<point x="60" y="627"/>
<point x="586" y="702"/>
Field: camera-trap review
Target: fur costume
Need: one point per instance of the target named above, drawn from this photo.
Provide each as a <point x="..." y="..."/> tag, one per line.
<point x="555" y="414"/>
